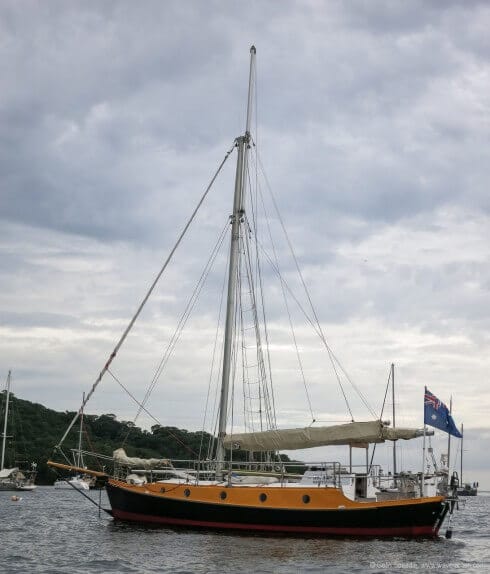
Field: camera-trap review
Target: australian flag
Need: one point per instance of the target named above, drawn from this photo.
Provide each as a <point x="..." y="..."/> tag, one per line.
<point x="437" y="415"/>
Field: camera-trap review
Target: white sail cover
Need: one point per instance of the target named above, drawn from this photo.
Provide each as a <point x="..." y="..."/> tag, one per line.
<point x="120" y="457"/>
<point x="357" y="434"/>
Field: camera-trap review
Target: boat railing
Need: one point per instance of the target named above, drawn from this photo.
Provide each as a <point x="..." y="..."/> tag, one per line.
<point x="330" y="473"/>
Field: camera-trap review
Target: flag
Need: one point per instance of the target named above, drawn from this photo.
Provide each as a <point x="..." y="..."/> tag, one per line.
<point x="437" y="415"/>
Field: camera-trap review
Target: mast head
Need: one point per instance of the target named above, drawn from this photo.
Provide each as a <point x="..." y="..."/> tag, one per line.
<point x="252" y="49"/>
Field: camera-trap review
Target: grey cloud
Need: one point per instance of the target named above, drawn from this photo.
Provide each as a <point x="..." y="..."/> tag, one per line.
<point x="372" y="125"/>
<point x="19" y="319"/>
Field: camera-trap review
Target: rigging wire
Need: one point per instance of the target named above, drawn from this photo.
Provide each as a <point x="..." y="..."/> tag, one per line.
<point x="247" y="393"/>
<point x="174" y="339"/>
<point x="145" y="299"/>
<point x="334" y="360"/>
<point x="234" y="361"/>
<point x="183" y="320"/>
<point x="318" y="326"/>
<point x="291" y="326"/>
<point x="215" y="412"/>
<point x="300" y="306"/>
<point x="142" y="407"/>
<point x="262" y="375"/>
<point x="381" y="414"/>
<point x="213" y="360"/>
<point x="254" y="211"/>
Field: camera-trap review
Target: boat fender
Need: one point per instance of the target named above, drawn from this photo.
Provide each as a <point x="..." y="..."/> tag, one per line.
<point x="136" y="479"/>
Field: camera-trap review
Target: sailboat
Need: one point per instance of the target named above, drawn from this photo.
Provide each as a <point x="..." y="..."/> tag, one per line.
<point x="79" y="481"/>
<point x="244" y="484"/>
<point x="466" y="488"/>
<point x="13" y="478"/>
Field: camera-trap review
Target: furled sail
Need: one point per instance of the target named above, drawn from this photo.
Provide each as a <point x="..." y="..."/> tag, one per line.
<point x="403" y="433"/>
<point x="120" y="457"/>
<point x="354" y="434"/>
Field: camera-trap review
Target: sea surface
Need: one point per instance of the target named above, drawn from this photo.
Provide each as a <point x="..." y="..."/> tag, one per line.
<point x="58" y="531"/>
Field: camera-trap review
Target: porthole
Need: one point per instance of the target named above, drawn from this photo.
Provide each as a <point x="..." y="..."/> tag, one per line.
<point x="306" y="498"/>
<point x="262" y="497"/>
<point x="187" y="492"/>
<point x="162" y="489"/>
<point x="222" y="495"/>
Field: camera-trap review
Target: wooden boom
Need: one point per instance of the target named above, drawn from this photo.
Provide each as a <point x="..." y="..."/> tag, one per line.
<point x="70" y="468"/>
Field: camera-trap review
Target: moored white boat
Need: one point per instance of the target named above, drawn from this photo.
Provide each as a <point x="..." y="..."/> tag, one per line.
<point x="76" y="482"/>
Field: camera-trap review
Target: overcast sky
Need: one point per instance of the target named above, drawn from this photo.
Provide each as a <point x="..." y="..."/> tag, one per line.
<point x="373" y="123"/>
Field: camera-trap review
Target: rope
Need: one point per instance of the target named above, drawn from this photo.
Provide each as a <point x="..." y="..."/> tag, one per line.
<point x="262" y="304"/>
<point x="333" y="359"/>
<point x="145" y="299"/>
<point x="99" y="506"/>
<point x="183" y="320"/>
<point x="381" y="415"/>
<point x="213" y="360"/>
<point x="149" y="414"/>
<point x="308" y="318"/>
<point x="261" y="374"/>
<point x="291" y="326"/>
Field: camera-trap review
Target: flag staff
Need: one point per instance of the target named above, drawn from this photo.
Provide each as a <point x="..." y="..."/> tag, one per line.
<point x="394" y="424"/>
<point x="422" y="478"/>
<point x="449" y="439"/>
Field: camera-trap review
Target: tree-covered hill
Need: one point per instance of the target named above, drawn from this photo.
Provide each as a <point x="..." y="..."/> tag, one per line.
<point x="34" y="430"/>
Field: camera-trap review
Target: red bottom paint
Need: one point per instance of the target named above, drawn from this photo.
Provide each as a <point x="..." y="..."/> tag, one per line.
<point x="403" y="531"/>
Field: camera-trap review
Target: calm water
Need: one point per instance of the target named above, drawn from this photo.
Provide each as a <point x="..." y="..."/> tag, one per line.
<point x="60" y="532"/>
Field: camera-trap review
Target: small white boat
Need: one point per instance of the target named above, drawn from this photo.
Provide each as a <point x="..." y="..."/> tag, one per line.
<point x="26" y="486"/>
<point x="77" y="482"/>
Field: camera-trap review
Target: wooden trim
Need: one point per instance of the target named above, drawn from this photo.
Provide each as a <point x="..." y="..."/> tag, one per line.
<point x="71" y="468"/>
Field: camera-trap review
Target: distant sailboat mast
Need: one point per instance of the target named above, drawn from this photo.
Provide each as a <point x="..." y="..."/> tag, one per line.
<point x="79" y="461"/>
<point x="394" y="422"/>
<point x="242" y="143"/>
<point x="5" y="421"/>
<point x="461" y="474"/>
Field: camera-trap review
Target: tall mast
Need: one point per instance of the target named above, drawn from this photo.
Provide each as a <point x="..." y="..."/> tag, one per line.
<point x="79" y="457"/>
<point x="250" y="89"/>
<point x="242" y="143"/>
<point x="393" y="400"/>
<point x="5" y="420"/>
<point x="422" y="476"/>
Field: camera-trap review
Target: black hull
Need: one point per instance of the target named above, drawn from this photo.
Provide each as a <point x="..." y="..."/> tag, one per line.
<point x="410" y="520"/>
